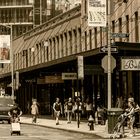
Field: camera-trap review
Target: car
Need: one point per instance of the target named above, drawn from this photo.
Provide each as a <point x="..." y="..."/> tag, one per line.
<point x="6" y="104"/>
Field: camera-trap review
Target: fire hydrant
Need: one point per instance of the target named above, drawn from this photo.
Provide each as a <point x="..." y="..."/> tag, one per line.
<point x="91" y="122"/>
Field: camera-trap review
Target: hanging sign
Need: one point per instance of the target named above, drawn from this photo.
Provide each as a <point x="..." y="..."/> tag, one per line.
<point x="97" y="13"/>
<point x="80" y="67"/>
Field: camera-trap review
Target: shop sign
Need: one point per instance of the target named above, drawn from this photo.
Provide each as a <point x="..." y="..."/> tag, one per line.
<point x="130" y="64"/>
<point x="69" y="76"/>
<point x="53" y="79"/>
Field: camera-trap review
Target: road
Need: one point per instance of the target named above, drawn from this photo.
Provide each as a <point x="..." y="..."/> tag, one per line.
<point x="31" y="132"/>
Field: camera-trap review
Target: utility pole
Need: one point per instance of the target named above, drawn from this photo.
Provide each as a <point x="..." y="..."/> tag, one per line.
<point x="109" y="53"/>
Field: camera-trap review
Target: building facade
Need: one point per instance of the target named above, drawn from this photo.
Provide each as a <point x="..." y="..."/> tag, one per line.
<point x="43" y="54"/>
<point x="24" y="15"/>
<point x="16" y="13"/>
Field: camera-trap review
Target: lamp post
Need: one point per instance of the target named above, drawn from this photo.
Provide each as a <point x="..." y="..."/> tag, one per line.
<point x="11" y="57"/>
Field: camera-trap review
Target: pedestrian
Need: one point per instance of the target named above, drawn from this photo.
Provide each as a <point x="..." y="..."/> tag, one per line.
<point x="65" y="108"/>
<point x="131" y="115"/>
<point x="120" y="102"/>
<point x="57" y="107"/>
<point x="15" y="113"/>
<point x="69" y="106"/>
<point x="28" y="108"/>
<point x="89" y="107"/>
<point x="34" y="111"/>
<point x="78" y="109"/>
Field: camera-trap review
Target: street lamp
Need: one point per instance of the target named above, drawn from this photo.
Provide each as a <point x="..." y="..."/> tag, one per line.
<point x="11" y="57"/>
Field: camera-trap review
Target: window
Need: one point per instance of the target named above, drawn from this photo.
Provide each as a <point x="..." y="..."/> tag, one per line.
<point x="101" y="39"/>
<point x="90" y="39"/>
<point x="136" y="27"/>
<point x="127" y="26"/>
<point x="75" y="41"/>
<point x="79" y="32"/>
<point x="113" y="26"/>
<point x="120" y="27"/>
<point x="86" y="41"/>
<point x="70" y="41"/>
<point x="66" y="46"/>
<point x="95" y="35"/>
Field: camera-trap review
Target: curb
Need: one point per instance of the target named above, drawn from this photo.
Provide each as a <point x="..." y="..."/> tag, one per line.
<point x="51" y="127"/>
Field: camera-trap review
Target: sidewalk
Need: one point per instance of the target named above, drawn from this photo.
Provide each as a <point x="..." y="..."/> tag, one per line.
<point x="100" y="130"/>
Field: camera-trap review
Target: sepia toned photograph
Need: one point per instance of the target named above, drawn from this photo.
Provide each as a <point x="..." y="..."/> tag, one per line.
<point x="69" y="69"/>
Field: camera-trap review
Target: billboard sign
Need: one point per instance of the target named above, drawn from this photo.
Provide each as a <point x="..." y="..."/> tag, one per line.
<point x="4" y="48"/>
<point x="97" y="13"/>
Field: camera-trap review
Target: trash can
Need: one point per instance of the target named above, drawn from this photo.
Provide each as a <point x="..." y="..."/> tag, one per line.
<point x="113" y="115"/>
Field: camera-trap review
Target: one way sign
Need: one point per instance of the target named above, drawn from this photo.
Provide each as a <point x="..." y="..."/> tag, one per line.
<point x="104" y="49"/>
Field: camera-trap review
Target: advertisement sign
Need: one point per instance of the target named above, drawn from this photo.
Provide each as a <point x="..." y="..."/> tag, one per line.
<point x="80" y="67"/>
<point x="130" y="64"/>
<point x="97" y="13"/>
<point x="4" y="48"/>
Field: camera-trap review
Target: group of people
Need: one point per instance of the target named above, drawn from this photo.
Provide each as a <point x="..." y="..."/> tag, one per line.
<point x="72" y="108"/>
<point x="75" y="108"/>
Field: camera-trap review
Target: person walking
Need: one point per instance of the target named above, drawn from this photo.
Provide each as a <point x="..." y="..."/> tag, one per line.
<point x="69" y="106"/>
<point x="57" y="107"/>
<point x="78" y="109"/>
<point x="34" y="111"/>
<point x="89" y="108"/>
<point x="131" y="115"/>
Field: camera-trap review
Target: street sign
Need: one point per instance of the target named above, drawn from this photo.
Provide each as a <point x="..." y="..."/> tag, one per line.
<point x="104" y="49"/>
<point x="120" y="35"/>
<point x="105" y="63"/>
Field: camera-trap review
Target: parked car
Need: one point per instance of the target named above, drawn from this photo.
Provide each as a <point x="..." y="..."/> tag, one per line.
<point x="6" y="104"/>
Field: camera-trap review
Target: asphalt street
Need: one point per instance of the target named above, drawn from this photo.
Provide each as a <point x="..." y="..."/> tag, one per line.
<point x="31" y="132"/>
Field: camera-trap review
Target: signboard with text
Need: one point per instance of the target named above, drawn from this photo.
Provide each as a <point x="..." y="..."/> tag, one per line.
<point x="97" y="13"/>
<point x="69" y="76"/>
<point x="4" y="48"/>
<point x="130" y="64"/>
